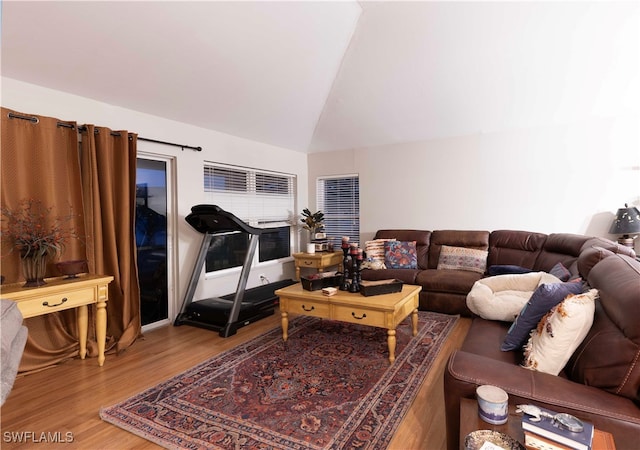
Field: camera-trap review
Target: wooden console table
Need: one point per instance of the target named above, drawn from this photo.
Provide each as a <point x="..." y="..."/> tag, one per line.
<point x="60" y="294"/>
<point x="319" y="261"/>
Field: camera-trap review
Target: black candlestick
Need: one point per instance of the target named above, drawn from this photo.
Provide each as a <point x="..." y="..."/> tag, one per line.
<point x="344" y="282"/>
<point x="355" y="275"/>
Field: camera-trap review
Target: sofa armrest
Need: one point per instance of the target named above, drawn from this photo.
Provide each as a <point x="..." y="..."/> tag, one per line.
<point x="466" y="371"/>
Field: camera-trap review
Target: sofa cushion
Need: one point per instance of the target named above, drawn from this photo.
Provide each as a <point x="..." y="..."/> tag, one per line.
<point x="400" y="255"/>
<point x="590" y="257"/>
<point x="559" y="333"/>
<point x="484" y="338"/>
<point x="514" y="247"/>
<point x="457" y="282"/>
<point x="502" y="297"/>
<point x="560" y="247"/>
<point x="461" y="258"/>
<point x="456" y="238"/>
<point x="545" y="297"/>
<point x="609" y="357"/>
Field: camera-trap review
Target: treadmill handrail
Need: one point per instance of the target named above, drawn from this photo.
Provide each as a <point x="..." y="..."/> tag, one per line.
<point x="212" y="219"/>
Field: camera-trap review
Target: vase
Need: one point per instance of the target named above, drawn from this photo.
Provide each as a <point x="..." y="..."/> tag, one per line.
<point x="34" y="269"/>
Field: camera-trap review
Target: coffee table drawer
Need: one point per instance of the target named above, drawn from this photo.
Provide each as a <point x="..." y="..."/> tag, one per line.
<point x="308" y="308"/>
<point x="359" y="315"/>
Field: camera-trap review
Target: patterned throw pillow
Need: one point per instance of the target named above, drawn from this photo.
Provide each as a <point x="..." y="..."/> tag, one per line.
<point x="400" y="255"/>
<point x="545" y="297"/>
<point x="462" y="258"/>
<point x="559" y="333"/>
<point x="375" y="254"/>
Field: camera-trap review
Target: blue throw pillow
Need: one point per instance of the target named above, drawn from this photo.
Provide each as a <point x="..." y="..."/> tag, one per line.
<point x="545" y="297"/>
<point x="503" y="269"/>
<point x="561" y="272"/>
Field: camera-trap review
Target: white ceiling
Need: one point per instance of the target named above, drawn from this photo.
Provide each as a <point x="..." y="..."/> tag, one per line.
<point x="318" y="76"/>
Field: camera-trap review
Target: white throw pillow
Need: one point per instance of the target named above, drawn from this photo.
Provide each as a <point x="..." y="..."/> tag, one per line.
<point x="502" y="297"/>
<point x="560" y="332"/>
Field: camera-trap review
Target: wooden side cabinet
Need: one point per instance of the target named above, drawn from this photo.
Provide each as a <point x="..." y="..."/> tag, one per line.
<point x="62" y="293"/>
<point x="319" y="261"/>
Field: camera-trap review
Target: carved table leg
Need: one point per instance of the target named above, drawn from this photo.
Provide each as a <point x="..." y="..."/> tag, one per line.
<point x="285" y="325"/>
<point x="101" y="329"/>
<point x="83" y="322"/>
<point x="391" y="342"/>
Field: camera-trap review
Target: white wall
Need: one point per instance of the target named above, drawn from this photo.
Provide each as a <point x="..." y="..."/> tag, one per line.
<point x="218" y="147"/>
<point x="566" y="178"/>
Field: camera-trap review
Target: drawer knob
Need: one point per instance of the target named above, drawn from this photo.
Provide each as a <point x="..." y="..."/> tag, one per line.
<point x="308" y="309"/>
<point x="64" y="299"/>
<point x="360" y="317"/>
<point x="308" y="263"/>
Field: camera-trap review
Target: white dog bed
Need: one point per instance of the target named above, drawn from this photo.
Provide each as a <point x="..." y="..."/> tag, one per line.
<point x="501" y="297"/>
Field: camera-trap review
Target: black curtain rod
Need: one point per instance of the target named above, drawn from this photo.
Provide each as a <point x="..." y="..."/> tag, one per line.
<point x="113" y="133"/>
<point x="197" y="149"/>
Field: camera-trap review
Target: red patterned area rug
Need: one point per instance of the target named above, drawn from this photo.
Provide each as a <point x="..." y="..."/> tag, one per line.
<point x="329" y="387"/>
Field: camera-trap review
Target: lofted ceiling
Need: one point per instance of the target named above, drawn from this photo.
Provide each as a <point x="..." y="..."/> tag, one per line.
<point x="319" y="76"/>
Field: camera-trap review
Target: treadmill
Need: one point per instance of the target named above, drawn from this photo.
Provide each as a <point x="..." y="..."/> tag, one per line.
<point x="227" y="313"/>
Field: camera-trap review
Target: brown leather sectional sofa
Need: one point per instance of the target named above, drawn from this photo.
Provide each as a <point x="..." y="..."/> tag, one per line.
<point x="601" y="382"/>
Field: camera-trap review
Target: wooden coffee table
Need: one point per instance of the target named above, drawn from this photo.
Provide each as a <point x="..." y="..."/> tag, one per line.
<point x="384" y="311"/>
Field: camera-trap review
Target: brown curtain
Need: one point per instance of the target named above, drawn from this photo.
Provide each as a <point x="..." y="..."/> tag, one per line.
<point x="39" y="161"/>
<point x="108" y="165"/>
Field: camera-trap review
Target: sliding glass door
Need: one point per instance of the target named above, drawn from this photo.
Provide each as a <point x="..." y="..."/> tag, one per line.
<point x="153" y="234"/>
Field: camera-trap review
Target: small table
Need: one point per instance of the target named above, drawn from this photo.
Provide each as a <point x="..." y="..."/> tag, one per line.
<point x="319" y="261"/>
<point x="384" y="311"/>
<point x="66" y="293"/>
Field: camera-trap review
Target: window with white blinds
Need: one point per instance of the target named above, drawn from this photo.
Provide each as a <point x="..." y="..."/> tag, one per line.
<point x="260" y="198"/>
<point x="338" y="197"/>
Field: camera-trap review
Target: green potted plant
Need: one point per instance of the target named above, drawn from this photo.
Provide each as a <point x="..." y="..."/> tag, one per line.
<point x="312" y="221"/>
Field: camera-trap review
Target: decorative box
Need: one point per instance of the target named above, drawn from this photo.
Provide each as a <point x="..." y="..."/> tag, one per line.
<point x="319" y="281"/>
<point x="379" y="287"/>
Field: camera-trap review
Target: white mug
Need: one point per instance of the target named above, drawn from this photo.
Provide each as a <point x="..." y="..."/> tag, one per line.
<point x="493" y="404"/>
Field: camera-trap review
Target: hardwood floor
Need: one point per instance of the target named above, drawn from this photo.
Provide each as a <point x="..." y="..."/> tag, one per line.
<point x="64" y="401"/>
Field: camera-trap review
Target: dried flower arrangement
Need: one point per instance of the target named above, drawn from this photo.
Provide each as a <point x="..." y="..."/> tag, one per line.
<point x="31" y="229"/>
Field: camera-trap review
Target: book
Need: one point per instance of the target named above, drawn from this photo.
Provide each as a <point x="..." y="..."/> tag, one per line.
<point x="602" y="440"/>
<point x="547" y="428"/>
<point x="533" y="441"/>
